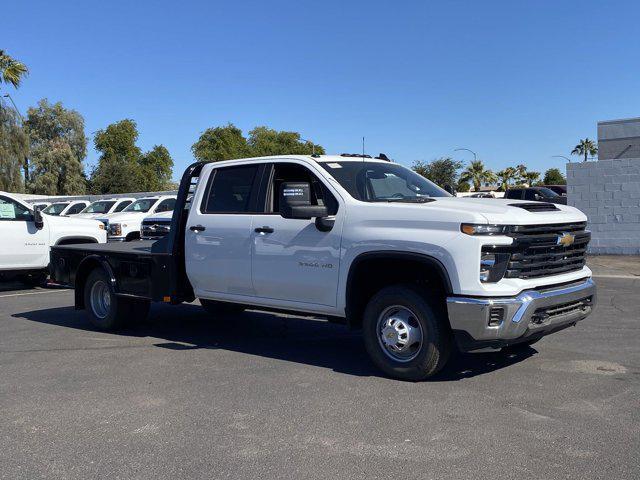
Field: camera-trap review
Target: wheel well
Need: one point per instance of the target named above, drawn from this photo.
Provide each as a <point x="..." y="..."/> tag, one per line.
<point x="76" y="240"/>
<point x="132" y="236"/>
<point x="372" y="272"/>
<point x="84" y="269"/>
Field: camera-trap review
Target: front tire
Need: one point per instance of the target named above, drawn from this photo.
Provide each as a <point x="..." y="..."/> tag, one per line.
<point x="406" y="333"/>
<point x="107" y="312"/>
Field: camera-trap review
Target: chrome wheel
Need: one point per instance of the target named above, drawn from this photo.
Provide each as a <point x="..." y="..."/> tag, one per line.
<point x="399" y="333"/>
<point x="100" y="299"/>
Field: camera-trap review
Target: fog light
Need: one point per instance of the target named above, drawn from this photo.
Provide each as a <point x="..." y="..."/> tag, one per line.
<point x="487" y="262"/>
<point x="493" y="265"/>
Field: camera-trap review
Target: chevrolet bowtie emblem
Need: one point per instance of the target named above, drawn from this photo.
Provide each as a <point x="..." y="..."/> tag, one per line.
<point x="565" y="239"/>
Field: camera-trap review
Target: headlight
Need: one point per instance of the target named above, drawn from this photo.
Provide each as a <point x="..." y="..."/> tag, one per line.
<point x="475" y="229"/>
<point x="493" y="266"/>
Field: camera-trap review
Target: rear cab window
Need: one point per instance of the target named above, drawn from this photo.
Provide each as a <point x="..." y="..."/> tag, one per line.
<point x="232" y="189"/>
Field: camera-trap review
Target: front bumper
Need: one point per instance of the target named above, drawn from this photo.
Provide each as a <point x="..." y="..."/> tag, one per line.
<point x="485" y="322"/>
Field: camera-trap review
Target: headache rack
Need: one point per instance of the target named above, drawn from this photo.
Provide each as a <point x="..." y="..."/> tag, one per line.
<point x="544" y="250"/>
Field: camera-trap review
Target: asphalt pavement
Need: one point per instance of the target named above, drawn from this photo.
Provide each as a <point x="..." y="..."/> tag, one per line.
<point x="184" y="395"/>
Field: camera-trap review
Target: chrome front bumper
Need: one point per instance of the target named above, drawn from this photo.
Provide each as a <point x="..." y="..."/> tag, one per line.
<point x="496" y="322"/>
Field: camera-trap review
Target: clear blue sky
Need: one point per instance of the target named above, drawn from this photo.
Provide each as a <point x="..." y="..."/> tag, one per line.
<point x="515" y="81"/>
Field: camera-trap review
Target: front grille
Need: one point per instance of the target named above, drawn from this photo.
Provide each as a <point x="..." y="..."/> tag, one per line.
<point x="545" y="314"/>
<point x="536" y="251"/>
<point x="155" y="229"/>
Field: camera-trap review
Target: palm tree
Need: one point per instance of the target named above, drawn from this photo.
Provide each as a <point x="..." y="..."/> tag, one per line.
<point x="531" y="177"/>
<point x="521" y="172"/>
<point x="585" y="147"/>
<point x="506" y="176"/>
<point x="477" y="174"/>
<point x="11" y="70"/>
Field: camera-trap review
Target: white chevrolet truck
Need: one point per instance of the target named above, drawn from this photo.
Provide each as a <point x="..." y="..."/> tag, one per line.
<point x="125" y="225"/>
<point x="26" y="236"/>
<point x="358" y="240"/>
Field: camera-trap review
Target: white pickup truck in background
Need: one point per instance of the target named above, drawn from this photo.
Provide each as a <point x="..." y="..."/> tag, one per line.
<point x="104" y="206"/>
<point x="63" y="209"/>
<point x="125" y="226"/>
<point x="361" y="241"/>
<point x="26" y="236"/>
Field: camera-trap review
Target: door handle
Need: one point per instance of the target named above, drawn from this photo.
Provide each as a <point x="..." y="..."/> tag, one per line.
<point x="197" y="228"/>
<point x="264" y="230"/>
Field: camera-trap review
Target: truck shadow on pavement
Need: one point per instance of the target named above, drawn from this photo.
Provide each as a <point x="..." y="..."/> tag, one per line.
<point x="283" y="337"/>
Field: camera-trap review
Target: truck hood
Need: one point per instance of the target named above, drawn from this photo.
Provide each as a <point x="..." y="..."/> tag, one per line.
<point x="73" y="222"/>
<point x="160" y="216"/>
<point x="505" y="211"/>
<point x="89" y="215"/>
<point x="124" y="217"/>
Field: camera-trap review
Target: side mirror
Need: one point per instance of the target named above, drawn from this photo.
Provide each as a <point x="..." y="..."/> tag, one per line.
<point x="537" y="197"/>
<point x="449" y="189"/>
<point x="295" y="202"/>
<point x="37" y="218"/>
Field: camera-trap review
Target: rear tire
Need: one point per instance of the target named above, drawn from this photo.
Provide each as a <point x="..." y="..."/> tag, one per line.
<point x="106" y="311"/>
<point x="406" y="333"/>
<point x="215" y="308"/>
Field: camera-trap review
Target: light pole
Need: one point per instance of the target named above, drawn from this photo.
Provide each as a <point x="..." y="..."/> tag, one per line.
<point x="562" y="156"/>
<point x="25" y="167"/>
<point x="6" y="95"/>
<point x="475" y="157"/>
<point x="313" y="146"/>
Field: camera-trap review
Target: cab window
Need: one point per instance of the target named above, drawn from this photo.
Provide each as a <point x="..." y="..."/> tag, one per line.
<point x="11" y="210"/>
<point x="231" y="190"/>
<point x="166" y="205"/>
<point x="292" y="172"/>
<point x="122" y="205"/>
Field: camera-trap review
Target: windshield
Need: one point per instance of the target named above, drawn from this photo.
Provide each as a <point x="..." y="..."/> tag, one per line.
<point x="547" y="192"/>
<point x="98" y="207"/>
<point x="55" y="208"/>
<point x="142" y="205"/>
<point x="383" y="182"/>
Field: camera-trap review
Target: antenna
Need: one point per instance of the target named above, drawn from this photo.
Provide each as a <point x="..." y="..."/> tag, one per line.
<point x="363" y="149"/>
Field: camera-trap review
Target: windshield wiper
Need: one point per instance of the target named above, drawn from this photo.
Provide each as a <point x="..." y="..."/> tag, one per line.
<point x="409" y="200"/>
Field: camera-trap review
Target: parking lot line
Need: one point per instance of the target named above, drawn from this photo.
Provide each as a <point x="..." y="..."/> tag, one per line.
<point x="31" y="293"/>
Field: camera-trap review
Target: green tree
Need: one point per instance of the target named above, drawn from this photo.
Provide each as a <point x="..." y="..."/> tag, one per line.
<point x="14" y="147"/>
<point x="585" y="148"/>
<point x="157" y="166"/>
<point x="58" y="147"/>
<point x="12" y="71"/>
<point x="463" y="186"/>
<point x="442" y="171"/>
<point x="506" y="176"/>
<point x="264" y="141"/>
<point x="123" y="168"/>
<point x="477" y="174"/>
<point x="118" y="169"/>
<point x="553" y="176"/>
<point x="220" y="143"/>
<point x="531" y="177"/>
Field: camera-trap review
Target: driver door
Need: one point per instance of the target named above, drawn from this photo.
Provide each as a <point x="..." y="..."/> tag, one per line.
<point x="292" y="259"/>
<point x="23" y="245"/>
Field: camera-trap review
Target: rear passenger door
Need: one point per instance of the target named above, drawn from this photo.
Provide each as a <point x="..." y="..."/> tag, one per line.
<point x="218" y="232"/>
